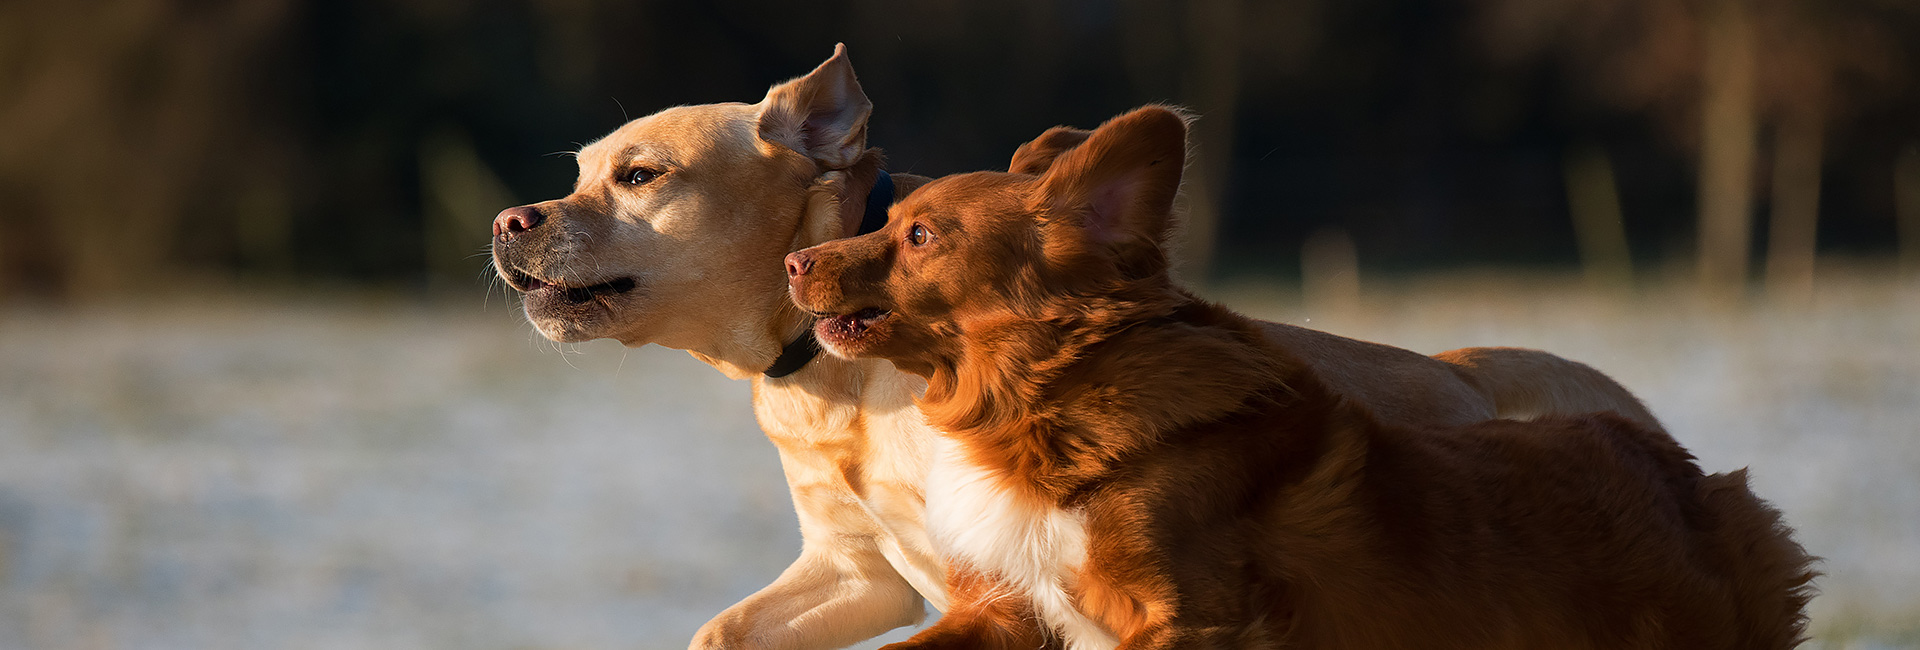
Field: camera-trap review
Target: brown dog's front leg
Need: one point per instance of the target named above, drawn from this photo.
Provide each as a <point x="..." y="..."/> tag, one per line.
<point x="985" y="615"/>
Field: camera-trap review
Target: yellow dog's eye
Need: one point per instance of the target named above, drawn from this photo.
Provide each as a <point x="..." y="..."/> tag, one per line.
<point x="641" y="176"/>
<point x="918" y="235"/>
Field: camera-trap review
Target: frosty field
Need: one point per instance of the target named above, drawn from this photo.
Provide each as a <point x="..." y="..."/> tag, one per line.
<point x="269" y="472"/>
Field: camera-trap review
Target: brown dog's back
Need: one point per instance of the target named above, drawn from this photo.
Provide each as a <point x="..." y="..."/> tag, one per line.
<point x="1591" y="531"/>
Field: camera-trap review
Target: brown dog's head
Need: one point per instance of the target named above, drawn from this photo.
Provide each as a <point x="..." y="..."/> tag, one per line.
<point x="675" y="228"/>
<point x="967" y="253"/>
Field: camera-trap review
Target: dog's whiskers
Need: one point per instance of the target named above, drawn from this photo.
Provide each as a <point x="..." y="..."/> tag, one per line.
<point x="566" y="351"/>
<point x="490" y="274"/>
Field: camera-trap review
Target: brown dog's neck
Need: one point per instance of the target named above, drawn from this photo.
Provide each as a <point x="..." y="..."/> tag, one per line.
<point x="1058" y="401"/>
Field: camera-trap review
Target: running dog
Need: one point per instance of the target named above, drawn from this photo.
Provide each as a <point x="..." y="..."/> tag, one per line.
<point x="1122" y="465"/>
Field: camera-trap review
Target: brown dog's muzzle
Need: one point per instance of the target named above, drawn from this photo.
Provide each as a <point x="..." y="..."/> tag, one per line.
<point x="843" y="282"/>
<point x="814" y="293"/>
<point x="841" y="275"/>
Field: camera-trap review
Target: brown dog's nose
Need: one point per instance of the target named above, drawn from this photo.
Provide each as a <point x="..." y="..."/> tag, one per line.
<point x="516" y="220"/>
<point x="799" y="263"/>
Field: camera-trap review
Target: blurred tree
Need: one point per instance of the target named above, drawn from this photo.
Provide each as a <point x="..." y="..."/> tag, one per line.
<point x="1594" y="200"/>
<point x="1729" y="133"/>
<point x="122" y="123"/>
<point x="1330" y="272"/>
<point x="461" y="195"/>
<point x="1201" y="55"/>
<point x="1906" y="180"/>
<point x="1733" y="64"/>
<point x="141" y="140"/>
<point x="1824" y="62"/>
<point x="1211" y="83"/>
<point x="1792" y="235"/>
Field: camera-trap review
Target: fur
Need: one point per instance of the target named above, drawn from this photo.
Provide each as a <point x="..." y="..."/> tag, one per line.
<point x="739" y="186"/>
<point x="1134" y="467"/>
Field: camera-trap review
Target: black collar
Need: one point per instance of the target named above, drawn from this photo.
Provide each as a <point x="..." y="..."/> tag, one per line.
<point x="878" y="200"/>
<point x="802" y="350"/>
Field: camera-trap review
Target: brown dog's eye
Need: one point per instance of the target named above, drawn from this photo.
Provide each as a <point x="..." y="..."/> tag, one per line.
<point x="918" y="235"/>
<point x="641" y="176"/>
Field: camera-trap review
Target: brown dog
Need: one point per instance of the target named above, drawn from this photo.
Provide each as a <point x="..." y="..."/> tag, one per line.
<point x="1139" y="468"/>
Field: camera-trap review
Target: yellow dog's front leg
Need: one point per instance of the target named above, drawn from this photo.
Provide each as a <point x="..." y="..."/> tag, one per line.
<point x="835" y="595"/>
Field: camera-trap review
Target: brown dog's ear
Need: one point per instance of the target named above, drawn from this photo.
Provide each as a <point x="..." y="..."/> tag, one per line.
<point x="823" y="114"/>
<point x="1037" y="156"/>
<point x="1116" y="190"/>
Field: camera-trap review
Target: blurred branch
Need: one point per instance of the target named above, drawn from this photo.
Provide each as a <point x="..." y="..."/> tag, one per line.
<point x="140" y="139"/>
<point x="123" y="128"/>
<point x="462" y="195"/>
<point x="1594" y="200"/>
<point x="1330" y="272"/>
<point x="1729" y="126"/>
<point x="1906" y="181"/>
<point x="263" y="229"/>
<point x="1798" y="140"/>
<point x="1212" y="83"/>
<point x="1821" y="60"/>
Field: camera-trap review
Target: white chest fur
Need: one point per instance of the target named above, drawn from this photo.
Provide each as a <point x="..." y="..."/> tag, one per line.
<point x="855" y="450"/>
<point x="1035" y="550"/>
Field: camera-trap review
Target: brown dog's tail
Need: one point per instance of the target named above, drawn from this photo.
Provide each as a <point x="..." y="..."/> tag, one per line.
<point x="1771" y="575"/>
<point x="1526" y="384"/>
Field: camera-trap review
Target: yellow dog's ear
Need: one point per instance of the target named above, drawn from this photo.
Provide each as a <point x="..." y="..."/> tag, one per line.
<point x="1114" y="192"/>
<point x="1037" y="157"/>
<point x="822" y="114"/>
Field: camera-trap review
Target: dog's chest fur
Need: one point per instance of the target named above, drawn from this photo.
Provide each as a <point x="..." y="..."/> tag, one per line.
<point x="1037" y="550"/>
<point x="855" y="451"/>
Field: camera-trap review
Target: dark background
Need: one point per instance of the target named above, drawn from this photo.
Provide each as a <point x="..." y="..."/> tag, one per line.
<point x="144" y="144"/>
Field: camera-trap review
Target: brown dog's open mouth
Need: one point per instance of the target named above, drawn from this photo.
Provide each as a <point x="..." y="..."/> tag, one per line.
<point x="850" y="327"/>
<point x="526" y="283"/>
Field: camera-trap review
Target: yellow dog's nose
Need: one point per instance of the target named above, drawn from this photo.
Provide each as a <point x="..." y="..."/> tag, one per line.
<point x="516" y="220"/>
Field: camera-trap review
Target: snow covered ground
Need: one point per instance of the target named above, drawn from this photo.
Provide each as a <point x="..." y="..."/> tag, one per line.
<point x="362" y="472"/>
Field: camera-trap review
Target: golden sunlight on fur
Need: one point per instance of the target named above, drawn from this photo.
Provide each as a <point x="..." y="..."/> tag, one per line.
<point x="674" y="234"/>
<point x="1125" y="465"/>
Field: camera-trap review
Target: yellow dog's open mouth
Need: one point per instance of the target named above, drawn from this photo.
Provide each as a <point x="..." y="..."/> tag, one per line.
<point x="529" y="284"/>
